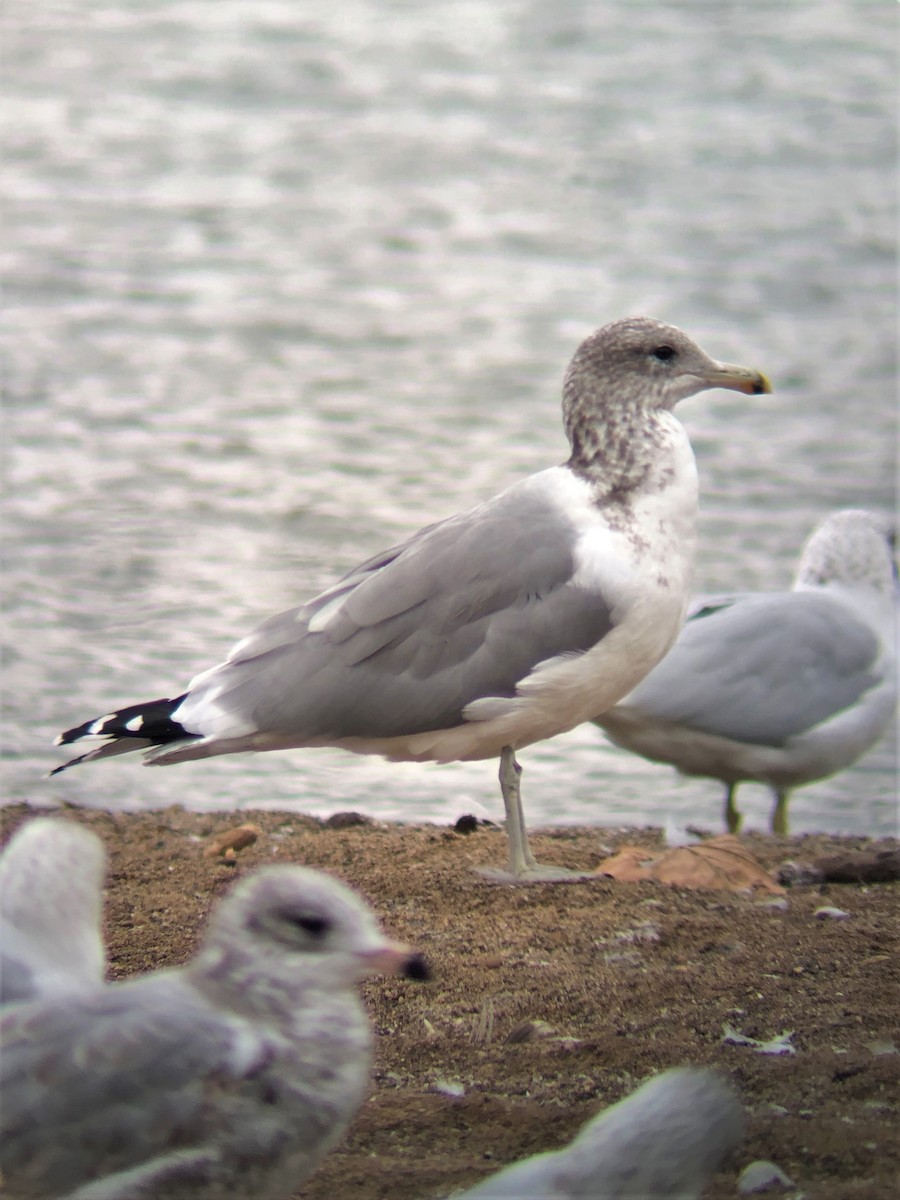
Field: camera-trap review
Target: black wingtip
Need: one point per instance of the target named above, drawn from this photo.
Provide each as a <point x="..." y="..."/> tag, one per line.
<point x="73" y="762"/>
<point x="150" y="721"/>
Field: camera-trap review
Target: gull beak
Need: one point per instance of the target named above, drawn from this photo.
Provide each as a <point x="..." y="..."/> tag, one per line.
<point x="395" y="958"/>
<point x="738" y="379"/>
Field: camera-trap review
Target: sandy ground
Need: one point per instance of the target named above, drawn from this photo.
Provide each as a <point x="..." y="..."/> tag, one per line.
<point x="551" y="1001"/>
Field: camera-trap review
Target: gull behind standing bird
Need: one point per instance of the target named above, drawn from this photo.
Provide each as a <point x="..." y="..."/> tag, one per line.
<point x="51" y="898"/>
<point x="506" y="624"/>
<point x="665" y="1141"/>
<point x="779" y="688"/>
<point x="230" y="1076"/>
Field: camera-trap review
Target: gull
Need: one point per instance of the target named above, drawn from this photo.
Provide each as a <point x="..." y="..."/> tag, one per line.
<point x="779" y="688"/>
<point x="51" y="897"/>
<point x="501" y="626"/>
<point x="230" y="1076"/>
<point x="667" y="1139"/>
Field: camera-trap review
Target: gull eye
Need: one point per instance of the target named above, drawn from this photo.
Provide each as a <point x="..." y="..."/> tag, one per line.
<point x="315" y="926"/>
<point x="663" y="353"/>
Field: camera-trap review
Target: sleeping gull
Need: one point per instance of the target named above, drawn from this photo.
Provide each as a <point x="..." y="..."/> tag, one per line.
<point x="506" y="624"/>
<point x="667" y="1139"/>
<point x="51" y="896"/>
<point x="232" y="1075"/>
<point x="780" y="688"/>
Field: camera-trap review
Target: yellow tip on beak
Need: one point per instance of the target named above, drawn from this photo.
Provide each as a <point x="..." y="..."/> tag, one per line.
<point x="739" y="379"/>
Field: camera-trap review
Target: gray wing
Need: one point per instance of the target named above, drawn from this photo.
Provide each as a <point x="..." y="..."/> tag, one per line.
<point x="99" y="1084"/>
<point x="464" y="609"/>
<point x="762" y="668"/>
<point x="51" y="881"/>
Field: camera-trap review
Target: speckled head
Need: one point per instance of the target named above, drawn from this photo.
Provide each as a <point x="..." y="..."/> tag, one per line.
<point x="625" y="371"/>
<point x="852" y="547"/>
<point x="641" y="361"/>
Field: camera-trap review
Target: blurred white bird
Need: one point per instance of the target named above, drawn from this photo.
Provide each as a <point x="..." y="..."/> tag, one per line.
<point x="665" y="1140"/>
<point x="229" y="1076"/>
<point x="51" y="897"/>
<point x="781" y="688"/>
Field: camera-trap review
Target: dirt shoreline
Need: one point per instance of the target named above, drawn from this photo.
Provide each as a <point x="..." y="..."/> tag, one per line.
<point x="550" y="1002"/>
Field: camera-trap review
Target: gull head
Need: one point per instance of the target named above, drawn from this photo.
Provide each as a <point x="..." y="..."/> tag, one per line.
<point x="851" y="548"/>
<point x="301" y="928"/>
<point x="647" y="364"/>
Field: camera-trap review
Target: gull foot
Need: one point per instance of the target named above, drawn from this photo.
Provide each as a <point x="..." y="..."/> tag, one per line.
<point x="535" y="873"/>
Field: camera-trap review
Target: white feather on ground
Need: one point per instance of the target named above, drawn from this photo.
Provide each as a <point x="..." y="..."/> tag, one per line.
<point x="230" y="1076"/>
<point x="51" y="898"/>
<point x="781" y="688"/>
<point x="665" y="1140"/>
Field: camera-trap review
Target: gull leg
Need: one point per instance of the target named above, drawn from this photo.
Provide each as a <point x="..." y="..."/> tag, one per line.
<point x="779" y="812"/>
<point x="733" y="818"/>
<point x="520" y="857"/>
<point x="523" y="867"/>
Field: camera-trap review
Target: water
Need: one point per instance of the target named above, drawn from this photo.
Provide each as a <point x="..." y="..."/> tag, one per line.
<point x="286" y="280"/>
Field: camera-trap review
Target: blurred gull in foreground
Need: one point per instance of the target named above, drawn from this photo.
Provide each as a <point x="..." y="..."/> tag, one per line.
<point x="781" y="688"/>
<point x="51" y="897"/>
<point x="667" y="1139"/>
<point x="229" y="1076"/>
<point x="504" y="625"/>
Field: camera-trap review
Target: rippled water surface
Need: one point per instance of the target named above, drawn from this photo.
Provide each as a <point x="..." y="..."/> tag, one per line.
<point x="285" y="280"/>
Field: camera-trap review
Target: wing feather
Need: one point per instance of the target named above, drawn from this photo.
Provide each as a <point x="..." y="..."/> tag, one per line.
<point x="118" y="1077"/>
<point x="762" y="668"/>
<point x="464" y="610"/>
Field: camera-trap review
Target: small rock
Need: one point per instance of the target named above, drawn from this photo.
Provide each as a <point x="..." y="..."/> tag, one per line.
<point x="227" y="843"/>
<point x="760" y="1176"/>
<point x="467" y="823"/>
<point x="347" y="820"/>
<point x="775" y="903"/>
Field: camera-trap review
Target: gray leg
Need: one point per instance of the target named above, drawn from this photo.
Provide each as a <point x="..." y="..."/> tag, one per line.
<point x="523" y="868"/>
<point x="520" y="856"/>
<point x="732" y="817"/>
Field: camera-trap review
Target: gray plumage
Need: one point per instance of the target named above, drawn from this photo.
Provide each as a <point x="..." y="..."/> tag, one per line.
<point x="232" y="1075"/>
<point x="51" y="896"/>
<point x="666" y="1140"/>
<point x="415" y="634"/>
<point x="504" y="625"/>
<point x="781" y="688"/>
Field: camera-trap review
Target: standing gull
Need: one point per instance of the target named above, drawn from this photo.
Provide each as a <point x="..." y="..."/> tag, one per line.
<point x="667" y="1139"/>
<point x="506" y="624"/>
<point x="230" y="1076"/>
<point x="781" y="688"/>
<point x="51" y="898"/>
